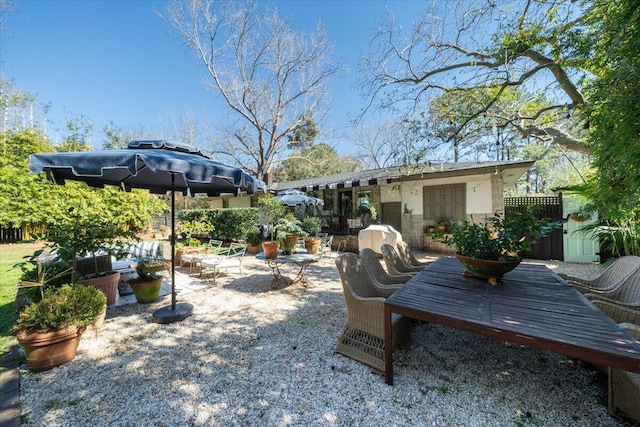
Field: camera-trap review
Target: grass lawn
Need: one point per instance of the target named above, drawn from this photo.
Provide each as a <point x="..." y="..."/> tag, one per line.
<point x="9" y="256"/>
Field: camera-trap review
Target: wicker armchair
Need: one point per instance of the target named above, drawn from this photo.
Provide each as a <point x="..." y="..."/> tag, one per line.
<point x="395" y="266"/>
<point x="362" y="337"/>
<point x="623" y="303"/>
<point x="624" y="386"/>
<point x="610" y="279"/>
<point x="407" y="256"/>
<point x="93" y="265"/>
<point x="379" y="277"/>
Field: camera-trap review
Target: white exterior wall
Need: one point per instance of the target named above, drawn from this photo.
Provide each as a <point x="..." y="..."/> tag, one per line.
<point x="478" y="193"/>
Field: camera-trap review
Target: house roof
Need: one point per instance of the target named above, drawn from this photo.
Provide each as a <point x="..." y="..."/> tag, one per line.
<point x="511" y="172"/>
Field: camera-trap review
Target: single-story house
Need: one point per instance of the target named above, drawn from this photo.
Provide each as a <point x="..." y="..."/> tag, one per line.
<point x="408" y="198"/>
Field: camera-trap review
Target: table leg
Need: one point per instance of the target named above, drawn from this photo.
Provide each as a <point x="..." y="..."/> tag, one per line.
<point x="278" y="278"/>
<point x="301" y="277"/>
<point x="388" y="346"/>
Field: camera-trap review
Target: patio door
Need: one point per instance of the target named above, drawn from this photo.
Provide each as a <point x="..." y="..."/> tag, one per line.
<point x="392" y="215"/>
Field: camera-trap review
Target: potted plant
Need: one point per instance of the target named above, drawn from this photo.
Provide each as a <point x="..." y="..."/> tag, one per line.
<point x="81" y="235"/>
<point x="312" y="225"/>
<point x="146" y="287"/>
<point x="491" y="248"/>
<point x="253" y="239"/>
<point x="49" y="331"/>
<point x="288" y="230"/>
<point x="271" y="209"/>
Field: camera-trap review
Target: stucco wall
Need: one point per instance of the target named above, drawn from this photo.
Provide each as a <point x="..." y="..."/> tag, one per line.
<point x="484" y="196"/>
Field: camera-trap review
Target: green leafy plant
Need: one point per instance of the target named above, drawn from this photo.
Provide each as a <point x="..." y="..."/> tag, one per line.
<point x="38" y="276"/>
<point x="311" y="225"/>
<point x="499" y="237"/>
<point x="253" y="237"/>
<point x="82" y="235"/>
<point x="68" y="305"/>
<point x="288" y="225"/>
<point x="149" y="268"/>
<point x="271" y="209"/>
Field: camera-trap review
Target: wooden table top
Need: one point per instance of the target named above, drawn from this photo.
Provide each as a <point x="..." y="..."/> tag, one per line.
<point x="532" y="306"/>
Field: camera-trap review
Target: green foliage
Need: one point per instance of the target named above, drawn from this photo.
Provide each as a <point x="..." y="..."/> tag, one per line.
<point x="84" y="232"/>
<point x="316" y="160"/>
<point x="614" y="116"/>
<point x="288" y="225"/>
<point x="150" y="269"/>
<point x="253" y="237"/>
<point x="499" y="237"/>
<point x="26" y="198"/>
<point x="38" y="277"/>
<point x="311" y="225"/>
<point x="77" y="305"/>
<point x="225" y="224"/>
<point x="271" y="209"/>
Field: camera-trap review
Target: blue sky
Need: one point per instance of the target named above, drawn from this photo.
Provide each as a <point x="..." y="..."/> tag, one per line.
<point x="117" y="60"/>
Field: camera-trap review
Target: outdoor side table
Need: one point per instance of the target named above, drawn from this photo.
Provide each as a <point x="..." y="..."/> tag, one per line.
<point x="300" y="259"/>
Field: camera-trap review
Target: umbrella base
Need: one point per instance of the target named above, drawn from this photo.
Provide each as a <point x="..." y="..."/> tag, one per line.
<point x="169" y="314"/>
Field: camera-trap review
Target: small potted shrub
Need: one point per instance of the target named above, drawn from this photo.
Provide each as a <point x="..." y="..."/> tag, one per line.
<point x="271" y="209"/>
<point x="312" y="225"/>
<point x="50" y="330"/>
<point x="253" y="239"/>
<point x="146" y="287"/>
<point x="288" y="230"/>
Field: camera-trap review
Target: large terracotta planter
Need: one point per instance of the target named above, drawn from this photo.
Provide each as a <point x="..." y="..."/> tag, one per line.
<point x="486" y="269"/>
<point x="312" y="244"/>
<point x="271" y="249"/>
<point x="108" y="284"/>
<point x="46" y="350"/>
<point x="146" y="291"/>
<point x="253" y="249"/>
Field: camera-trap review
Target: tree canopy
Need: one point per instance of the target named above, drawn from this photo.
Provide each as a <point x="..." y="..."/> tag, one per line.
<point x="267" y="74"/>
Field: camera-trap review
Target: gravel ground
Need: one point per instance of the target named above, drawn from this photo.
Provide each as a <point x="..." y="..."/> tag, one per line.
<point x="255" y="356"/>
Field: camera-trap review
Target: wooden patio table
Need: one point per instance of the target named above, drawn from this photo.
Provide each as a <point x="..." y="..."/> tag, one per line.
<point x="532" y="306"/>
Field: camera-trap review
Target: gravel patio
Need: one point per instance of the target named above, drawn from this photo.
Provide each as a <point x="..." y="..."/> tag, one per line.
<point x="255" y="356"/>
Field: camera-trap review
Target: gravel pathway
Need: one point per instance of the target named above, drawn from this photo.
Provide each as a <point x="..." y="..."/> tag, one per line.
<point x="260" y="357"/>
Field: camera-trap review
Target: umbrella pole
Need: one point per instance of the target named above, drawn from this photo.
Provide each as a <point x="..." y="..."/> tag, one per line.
<point x="174" y="312"/>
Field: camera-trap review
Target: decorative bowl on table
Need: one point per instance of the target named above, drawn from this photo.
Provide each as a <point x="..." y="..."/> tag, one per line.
<point x="487" y="269"/>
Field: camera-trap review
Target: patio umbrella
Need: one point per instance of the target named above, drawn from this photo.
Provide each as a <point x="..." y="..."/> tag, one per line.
<point x="301" y="203"/>
<point x="296" y="197"/>
<point x="158" y="166"/>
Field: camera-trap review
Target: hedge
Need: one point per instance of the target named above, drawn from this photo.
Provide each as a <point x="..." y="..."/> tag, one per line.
<point x="227" y="223"/>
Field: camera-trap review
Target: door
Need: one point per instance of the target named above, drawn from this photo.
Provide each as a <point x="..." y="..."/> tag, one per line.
<point x="392" y="215"/>
<point x="579" y="246"/>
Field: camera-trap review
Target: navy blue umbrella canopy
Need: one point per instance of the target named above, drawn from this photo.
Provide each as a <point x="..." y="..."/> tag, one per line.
<point x="148" y="165"/>
<point x="157" y="166"/>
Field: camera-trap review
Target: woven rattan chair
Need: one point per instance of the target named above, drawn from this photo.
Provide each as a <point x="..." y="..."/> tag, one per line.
<point x="610" y="279"/>
<point x="394" y="263"/>
<point x="362" y="337"/>
<point x="624" y="386"/>
<point x="407" y="256"/>
<point x="380" y="278"/>
<point x="91" y="265"/>
<point x="623" y="303"/>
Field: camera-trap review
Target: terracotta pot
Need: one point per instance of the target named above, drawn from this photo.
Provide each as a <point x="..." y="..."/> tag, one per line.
<point x="289" y="244"/>
<point x="108" y="284"/>
<point x="46" y="350"/>
<point x="146" y="291"/>
<point x="271" y="249"/>
<point x="253" y="249"/>
<point x="486" y="269"/>
<point x="312" y="244"/>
